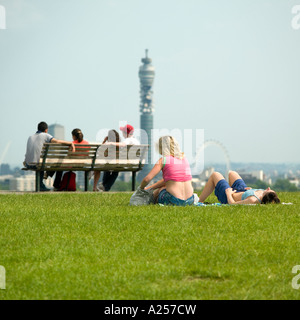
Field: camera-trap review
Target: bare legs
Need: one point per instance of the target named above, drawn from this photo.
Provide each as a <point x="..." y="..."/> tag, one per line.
<point x="213" y="181"/>
<point x="210" y="185"/>
<point x="96" y="179"/>
<point x="232" y="177"/>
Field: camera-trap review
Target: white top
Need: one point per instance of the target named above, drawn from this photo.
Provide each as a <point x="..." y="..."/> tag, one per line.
<point x="131" y="141"/>
<point x="34" y="146"/>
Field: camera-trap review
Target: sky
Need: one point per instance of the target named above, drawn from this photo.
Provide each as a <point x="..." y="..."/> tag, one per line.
<point x="230" y="68"/>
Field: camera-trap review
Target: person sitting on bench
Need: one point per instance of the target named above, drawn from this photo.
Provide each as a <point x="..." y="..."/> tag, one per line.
<point x="34" y="148"/>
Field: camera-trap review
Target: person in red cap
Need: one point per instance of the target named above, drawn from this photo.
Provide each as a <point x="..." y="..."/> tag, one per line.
<point x="110" y="177"/>
<point x="128" y="132"/>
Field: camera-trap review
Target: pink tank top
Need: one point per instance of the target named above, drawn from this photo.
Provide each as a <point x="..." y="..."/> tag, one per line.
<point x="176" y="169"/>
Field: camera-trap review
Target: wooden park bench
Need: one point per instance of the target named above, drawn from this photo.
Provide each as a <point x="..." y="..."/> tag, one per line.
<point x="90" y="157"/>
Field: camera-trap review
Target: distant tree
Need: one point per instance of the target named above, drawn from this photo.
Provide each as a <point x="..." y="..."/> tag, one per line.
<point x="16" y="171"/>
<point x="121" y="186"/>
<point x="258" y="184"/>
<point x="4" y="186"/>
<point x="284" y="185"/>
<point x="261" y="184"/>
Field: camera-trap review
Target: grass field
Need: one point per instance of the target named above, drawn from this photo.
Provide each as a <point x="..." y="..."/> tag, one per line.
<point x="95" y="246"/>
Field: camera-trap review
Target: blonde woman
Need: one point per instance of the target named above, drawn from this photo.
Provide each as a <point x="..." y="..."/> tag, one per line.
<point x="176" y="186"/>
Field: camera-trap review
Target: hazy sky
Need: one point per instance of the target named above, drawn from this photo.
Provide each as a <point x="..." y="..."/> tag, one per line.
<point x="229" y="67"/>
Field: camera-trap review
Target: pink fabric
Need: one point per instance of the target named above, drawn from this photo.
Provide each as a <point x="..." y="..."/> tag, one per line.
<point x="176" y="169"/>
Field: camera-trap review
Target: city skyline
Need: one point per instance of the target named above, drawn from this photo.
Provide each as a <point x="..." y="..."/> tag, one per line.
<point x="229" y="69"/>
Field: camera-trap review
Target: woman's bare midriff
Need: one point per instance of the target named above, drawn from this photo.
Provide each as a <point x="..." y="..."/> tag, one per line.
<point x="180" y="189"/>
<point x="237" y="196"/>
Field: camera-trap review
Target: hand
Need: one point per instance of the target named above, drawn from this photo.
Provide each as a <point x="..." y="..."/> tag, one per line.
<point x="229" y="191"/>
<point x="107" y="143"/>
<point x="248" y="188"/>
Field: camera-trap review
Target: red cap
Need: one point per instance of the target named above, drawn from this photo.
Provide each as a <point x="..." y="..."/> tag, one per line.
<point x="128" y="129"/>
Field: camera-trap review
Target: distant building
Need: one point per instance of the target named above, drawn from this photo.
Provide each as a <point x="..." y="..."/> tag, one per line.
<point x="259" y="175"/>
<point x="5" y="169"/>
<point x="4" y="181"/>
<point x="199" y="180"/>
<point x="125" y="176"/>
<point x="80" y="180"/>
<point x="206" y="173"/>
<point x="295" y="182"/>
<point x="251" y="177"/>
<point x="26" y="183"/>
<point x="57" y="131"/>
<point x="198" y="184"/>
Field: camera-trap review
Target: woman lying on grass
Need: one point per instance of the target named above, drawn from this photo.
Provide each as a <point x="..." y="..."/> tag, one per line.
<point x="176" y="186"/>
<point x="236" y="191"/>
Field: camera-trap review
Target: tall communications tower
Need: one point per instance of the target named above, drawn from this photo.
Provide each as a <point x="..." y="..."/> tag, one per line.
<point x="146" y="75"/>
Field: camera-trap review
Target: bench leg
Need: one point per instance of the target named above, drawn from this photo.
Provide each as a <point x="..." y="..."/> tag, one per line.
<point x="37" y="181"/>
<point x="86" y="180"/>
<point x="133" y="180"/>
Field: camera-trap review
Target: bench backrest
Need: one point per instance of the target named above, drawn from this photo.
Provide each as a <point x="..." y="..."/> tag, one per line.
<point x="55" y="156"/>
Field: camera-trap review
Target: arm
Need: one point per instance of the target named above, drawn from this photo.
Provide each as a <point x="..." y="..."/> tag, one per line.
<point x="154" y="171"/>
<point x="118" y="144"/>
<point x="230" y="192"/>
<point x="71" y="144"/>
<point x="159" y="184"/>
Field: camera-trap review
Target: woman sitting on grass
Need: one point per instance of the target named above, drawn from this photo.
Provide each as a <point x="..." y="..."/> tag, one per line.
<point x="176" y="186"/>
<point x="236" y="191"/>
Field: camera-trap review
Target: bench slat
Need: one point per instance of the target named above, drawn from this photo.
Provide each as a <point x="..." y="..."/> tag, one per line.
<point x="98" y="157"/>
<point x="69" y="157"/>
<point x="98" y="162"/>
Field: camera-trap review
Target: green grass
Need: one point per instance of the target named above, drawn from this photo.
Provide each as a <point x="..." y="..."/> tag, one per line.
<point x="95" y="246"/>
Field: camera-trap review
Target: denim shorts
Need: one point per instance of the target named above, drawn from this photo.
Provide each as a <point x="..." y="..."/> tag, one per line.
<point x="239" y="185"/>
<point x="167" y="198"/>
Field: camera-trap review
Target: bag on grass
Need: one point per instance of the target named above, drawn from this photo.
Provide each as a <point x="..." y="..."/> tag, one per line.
<point x="68" y="182"/>
<point x="141" y="197"/>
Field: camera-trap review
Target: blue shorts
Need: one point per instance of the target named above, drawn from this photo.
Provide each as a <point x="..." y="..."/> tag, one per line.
<point x="167" y="198"/>
<point x="239" y="185"/>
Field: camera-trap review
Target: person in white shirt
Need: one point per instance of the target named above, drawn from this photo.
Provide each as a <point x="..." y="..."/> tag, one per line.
<point x="129" y="139"/>
<point x="34" y="147"/>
